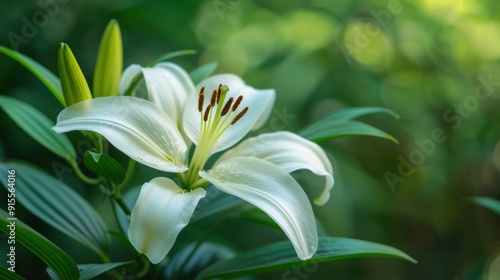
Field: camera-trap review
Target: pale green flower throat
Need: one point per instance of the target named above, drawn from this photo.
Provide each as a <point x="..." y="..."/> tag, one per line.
<point x="214" y="121"/>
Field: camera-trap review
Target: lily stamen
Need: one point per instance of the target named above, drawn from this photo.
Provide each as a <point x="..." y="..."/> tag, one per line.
<point x="238" y="117"/>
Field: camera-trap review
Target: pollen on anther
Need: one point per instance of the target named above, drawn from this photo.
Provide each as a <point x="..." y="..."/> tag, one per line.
<point x="238" y="117"/>
<point x="212" y="99"/>
<point x="219" y="91"/>
<point x="237" y="103"/>
<point x="207" y="112"/>
<point x="201" y="99"/>
<point x="227" y="107"/>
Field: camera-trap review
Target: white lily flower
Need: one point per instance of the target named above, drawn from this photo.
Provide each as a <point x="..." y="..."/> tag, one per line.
<point x="214" y="116"/>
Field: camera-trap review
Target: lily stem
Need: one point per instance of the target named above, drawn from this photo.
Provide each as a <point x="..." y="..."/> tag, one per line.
<point x="130" y="172"/>
<point x="117" y="197"/>
<point x="82" y="176"/>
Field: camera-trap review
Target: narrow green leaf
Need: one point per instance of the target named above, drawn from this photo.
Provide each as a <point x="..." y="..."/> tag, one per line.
<point x="489" y="203"/>
<point x="258" y="216"/>
<point x="90" y="271"/>
<point x="202" y="72"/>
<point x="205" y="255"/>
<point x="104" y="165"/>
<point x="58" y="205"/>
<point x="281" y="255"/>
<point x="217" y="205"/>
<point x="170" y="55"/>
<point x="7" y="274"/>
<point x="43" y="74"/>
<point x="351" y="113"/>
<point x="38" y="126"/>
<point x="55" y="258"/>
<point x="109" y="64"/>
<point x="325" y="130"/>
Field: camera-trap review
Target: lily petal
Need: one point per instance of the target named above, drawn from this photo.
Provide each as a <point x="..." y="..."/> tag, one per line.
<point x="275" y="192"/>
<point x="133" y="125"/>
<point x="258" y="102"/>
<point x="162" y="210"/>
<point x="290" y="152"/>
<point x="168" y="86"/>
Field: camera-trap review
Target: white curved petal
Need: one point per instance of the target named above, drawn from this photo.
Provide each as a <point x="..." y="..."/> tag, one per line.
<point x="290" y="152"/>
<point x="168" y="86"/>
<point x="275" y="192"/>
<point x="162" y="210"/>
<point x="133" y="125"/>
<point x="128" y="76"/>
<point x="258" y="102"/>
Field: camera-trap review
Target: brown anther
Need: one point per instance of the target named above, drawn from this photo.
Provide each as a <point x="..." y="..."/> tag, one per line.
<point x="207" y="112"/>
<point x="238" y="117"/>
<point x="219" y="93"/>
<point x="201" y="99"/>
<point x="227" y="107"/>
<point x="212" y="99"/>
<point x="237" y="103"/>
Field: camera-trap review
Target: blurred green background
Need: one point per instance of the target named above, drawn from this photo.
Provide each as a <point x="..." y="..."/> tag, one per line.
<point x="434" y="62"/>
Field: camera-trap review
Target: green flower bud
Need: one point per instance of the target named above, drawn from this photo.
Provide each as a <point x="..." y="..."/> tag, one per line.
<point x="109" y="63"/>
<point x="74" y="86"/>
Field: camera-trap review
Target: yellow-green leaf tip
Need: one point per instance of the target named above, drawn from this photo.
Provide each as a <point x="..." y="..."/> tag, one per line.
<point x="74" y="86"/>
<point x="109" y="63"/>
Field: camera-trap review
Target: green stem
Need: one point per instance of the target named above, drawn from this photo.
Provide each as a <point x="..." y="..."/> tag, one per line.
<point x="144" y="271"/>
<point x="130" y="172"/>
<point x="98" y="143"/>
<point x="117" y="197"/>
<point x="82" y="176"/>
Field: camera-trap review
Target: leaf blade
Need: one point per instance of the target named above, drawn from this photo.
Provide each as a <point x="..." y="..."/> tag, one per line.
<point x="486" y="202"/>
<point x="323" y="130"/>
<point x="202" y="72"/>
<point x="49" y="79"/>
<point x="281" y="256"/>
<point x="58" y="205"/>
<point x="62" y="264"/>
<point x="105" y="166"/>
<point x="38" y="126"/>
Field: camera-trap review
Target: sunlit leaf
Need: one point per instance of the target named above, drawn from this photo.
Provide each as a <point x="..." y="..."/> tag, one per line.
<point x="55" y="258"/>
<point x="489" y="203"/>
<point x="351" y="113"/>
<point x="281" y="256"/>
<point x="58" y="205"/>
<point x="46" y="77"/>
<point x="104" y="165"/>
<point x="170" y="55"/>
<point x="340" y="124"/>
<point x="326" y="130"/>
<point x="202" y="72"/>
<point x="38" y="126"/>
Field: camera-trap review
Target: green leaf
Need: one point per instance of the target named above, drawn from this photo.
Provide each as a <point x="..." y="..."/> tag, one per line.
<point x="351" y="113"/>
<point x="55" y="258"/>
<point x="58" y="205"/>
<point x="46" y="77"/>
<point x="281" y="255"/>
<point x="7" y="274"/>
<point x="38" y="126"/>
<point x="202" y="72"/>
<point x="205" y="255"/>
<point x="105" y="166"/>
<point x="340" y="124"/>
<point x="258" y="216"/>
<point x="218" y="205"/>
<point x="170" y="55"/>
<point x="90" y="271"/>
<point x="489" y="203"/>
<point x="326" y="130"/>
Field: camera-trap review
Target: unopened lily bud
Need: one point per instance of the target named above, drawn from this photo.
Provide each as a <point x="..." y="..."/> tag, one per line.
<point x="74" y="86"/>
<point x="109" y="63"/>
